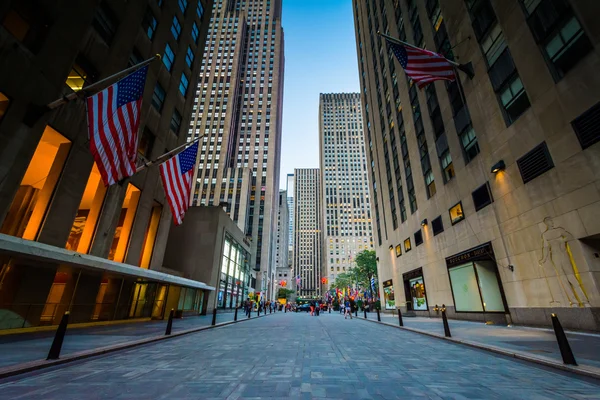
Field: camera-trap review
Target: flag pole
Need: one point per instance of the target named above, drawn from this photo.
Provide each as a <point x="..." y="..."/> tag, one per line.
<point x="168" y="154"/>
<point x="71" y="96"/>
<point x="466" y="68"/>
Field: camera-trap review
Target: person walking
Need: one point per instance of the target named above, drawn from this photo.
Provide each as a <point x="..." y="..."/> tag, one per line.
<point x="348" y="311"/>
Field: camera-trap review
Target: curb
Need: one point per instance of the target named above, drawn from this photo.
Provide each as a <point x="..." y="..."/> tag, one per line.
<point x="587" y="371"/>
<point x="30" y="366"/>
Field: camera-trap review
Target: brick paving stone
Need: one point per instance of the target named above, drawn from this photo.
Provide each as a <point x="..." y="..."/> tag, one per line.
<point x="301" y="357"/>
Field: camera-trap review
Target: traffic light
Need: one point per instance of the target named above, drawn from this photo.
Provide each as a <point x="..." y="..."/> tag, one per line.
<point x="324" y="280"/>
<point x="283" y="283"/>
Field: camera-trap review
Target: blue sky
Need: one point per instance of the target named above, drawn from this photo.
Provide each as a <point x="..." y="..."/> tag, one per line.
<point x="320" y="57"/>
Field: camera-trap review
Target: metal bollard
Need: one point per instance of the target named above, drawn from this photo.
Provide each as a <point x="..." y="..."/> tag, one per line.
<point x="258" y="311"/>
<point x="400" y="322"/>
<point x="214" y="320"/>
<point x="563" y="342"/>
<point x="249" y="312"/>
<point x="54" y="352"/>
<point x="284" y="310"/>
<point x="235" y="315"/>
<point x="365" y="312"/>
<point x="356" y="312"/>
<point x="378" y="315"/>
<point x="170" y="322"/>
<point x="270" y="310"/>
<point x="445" y="321"/>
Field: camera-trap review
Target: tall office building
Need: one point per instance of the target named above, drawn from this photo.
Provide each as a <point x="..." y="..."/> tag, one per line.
<point x="488" y="202"/>
<point x="346" y="209"/>
<point x="290" y="202"/>
<point x="238" y="113"/>
<point x="307" y="232"/>
<point x="69" y="243"/>
<point x="283" y="272"/>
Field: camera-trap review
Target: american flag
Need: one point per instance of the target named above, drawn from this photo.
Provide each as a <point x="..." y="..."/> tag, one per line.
<point x="298" y="281"/>
<point x="176" y="174"/>
<point x="421" y="65"/>
<point x="113" y="121"/>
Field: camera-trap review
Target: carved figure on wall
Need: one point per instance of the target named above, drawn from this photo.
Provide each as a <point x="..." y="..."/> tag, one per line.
<point x="555" y="247"/>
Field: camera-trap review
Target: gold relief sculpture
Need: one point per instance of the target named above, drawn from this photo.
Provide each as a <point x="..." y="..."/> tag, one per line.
<point x="561" y="237"/>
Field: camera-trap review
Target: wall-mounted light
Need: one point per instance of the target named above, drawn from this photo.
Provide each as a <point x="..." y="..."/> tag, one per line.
<point x="424" y="222"/>
<point x="499" y="166"/>
<point x="391" y="247"/>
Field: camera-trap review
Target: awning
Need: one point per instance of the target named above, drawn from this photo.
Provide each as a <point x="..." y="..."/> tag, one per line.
<point x="39" y="251"/>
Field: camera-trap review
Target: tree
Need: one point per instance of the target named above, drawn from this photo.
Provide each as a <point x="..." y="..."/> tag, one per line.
<point x="284" y="293"/>
<point x="366" y="267"/>
<point x="343" y="280"/>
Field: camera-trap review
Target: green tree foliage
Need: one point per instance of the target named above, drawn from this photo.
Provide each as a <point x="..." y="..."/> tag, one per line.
<point x="366" y="267"/>
<point x="343" y="280"/>
<point x="284" y="293"/>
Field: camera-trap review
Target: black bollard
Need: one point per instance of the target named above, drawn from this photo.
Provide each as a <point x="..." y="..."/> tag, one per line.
<point x="284" y="310"/>
<point x="258" y="311"/>
<point x="270" y="310"/>
<point x="563" y="342"/>
<point x="400" y="322"/>
<point x="356" y="312"/>
<point x="169" y="323"/>
<point x="378" y="315"/>
<point x="445" y="321"/>
<point x="54" y="352"/>
<point x="214" y="320"/>
<point x="249" y="312"/>
<point x="235" y="315"/>
<point x="365" y="312"/>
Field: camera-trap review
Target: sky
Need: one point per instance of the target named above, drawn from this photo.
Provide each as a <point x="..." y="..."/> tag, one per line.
<point x="320" y="57"/>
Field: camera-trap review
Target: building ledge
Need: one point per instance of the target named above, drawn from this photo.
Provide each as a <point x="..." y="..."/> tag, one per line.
<point x="42" y="252"/>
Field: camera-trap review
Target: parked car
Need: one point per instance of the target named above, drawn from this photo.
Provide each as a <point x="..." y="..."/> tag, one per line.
<point x="304" y="307"/>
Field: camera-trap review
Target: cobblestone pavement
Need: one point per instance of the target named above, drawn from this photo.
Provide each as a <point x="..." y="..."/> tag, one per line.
<point x="301" y="357"/>
<point x="535" y="341"/>
<point x="20" y="348"/>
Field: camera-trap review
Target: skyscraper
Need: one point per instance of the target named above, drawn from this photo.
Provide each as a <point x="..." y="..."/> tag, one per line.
<point x="283" y="271"/>
<point x="478" y="194"/>
<point x="238" y="112"/>
<point x="290" y="202"/>
<point x="346" y="209"/>
<point x="307" y="232"/>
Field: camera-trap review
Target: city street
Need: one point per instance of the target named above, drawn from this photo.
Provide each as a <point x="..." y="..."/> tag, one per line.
<point x="289" y="355"/>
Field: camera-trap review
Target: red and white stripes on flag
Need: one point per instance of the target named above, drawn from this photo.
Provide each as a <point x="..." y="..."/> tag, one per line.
<point x="423" y="66"/>
<point x="113" y="120"/>
<point x="176" y="174"/>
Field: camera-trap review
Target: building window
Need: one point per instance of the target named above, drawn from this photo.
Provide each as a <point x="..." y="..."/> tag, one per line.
<point x="200" y="10"/>
<point x="31" y="201"/>
<point x="105" y="23"/>
<point x="182" y="5"/>
<point x="175" y="122"/>
<point x="567" y="47"/>
<point x="150" y="237"/>
<point x="514" y="99"/>
<point x="585" y="126"/>
<point x="4" y="102"/>
<point x="447" y="167"/>
<point x="16" y="24"/>
<point x="398" y="250"/>
<point x="493" y="44"/>
<point x="189" y="57"/>
<point x="468" y="139"/>
<point x="168" y="57"/>
<point x="482" y="196"/>
<point x="84" y="224"/>
<point x="176" y="28"/>
<point x="456" y="213"/>
<point x="146" y="143"/>
<point x="437" y="226"/>
<point x="158" y="97"/>
<point x="76" y="78"/>
<point x="149" y="23"/>
<point x="183" y="84"/>
<point x="122" y="234"/>
<point x="430" y="184"/>
<point x="407" y="246"/>
<point x="195" y="33"/>
<point x="418" y="237"/>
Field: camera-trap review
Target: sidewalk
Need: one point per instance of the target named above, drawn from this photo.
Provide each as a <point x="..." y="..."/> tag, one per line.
<point x="537" y="342"/>
<point x="27" y="347"/>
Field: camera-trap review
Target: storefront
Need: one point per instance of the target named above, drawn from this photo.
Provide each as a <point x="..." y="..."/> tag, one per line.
<point x="388" y="295"/>
<point x="414" y="290"/>
<point x="475" y="282"/>
<point x="235" y="274"/>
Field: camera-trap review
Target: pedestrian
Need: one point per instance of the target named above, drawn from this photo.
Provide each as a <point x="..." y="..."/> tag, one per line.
<point x="348" y="309"/>
<point x="312" y="308"/>
<point x="318" y="308"/>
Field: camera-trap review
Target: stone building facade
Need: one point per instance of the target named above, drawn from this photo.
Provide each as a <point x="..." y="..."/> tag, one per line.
<point x="67" y="242"/>
<point x="490" y="206"/>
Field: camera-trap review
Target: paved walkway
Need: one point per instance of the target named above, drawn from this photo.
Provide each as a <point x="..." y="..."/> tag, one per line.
<point x="20" y="348"/>
<point x="535" y="341"/>
<point x="300" y="357"/>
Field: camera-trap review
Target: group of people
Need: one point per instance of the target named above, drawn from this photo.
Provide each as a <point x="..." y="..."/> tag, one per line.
<point x="261" y="306"/>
